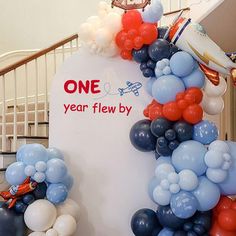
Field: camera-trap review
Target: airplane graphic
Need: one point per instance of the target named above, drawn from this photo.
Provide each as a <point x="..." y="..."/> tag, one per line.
<point x="132" y="88"/>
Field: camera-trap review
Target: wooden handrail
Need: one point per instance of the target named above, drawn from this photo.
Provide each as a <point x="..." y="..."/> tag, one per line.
<point x="37" y="55"/>
<point x="176" y="11"/>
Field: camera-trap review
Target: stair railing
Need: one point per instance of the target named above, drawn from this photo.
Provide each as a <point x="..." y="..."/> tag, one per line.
<point x="19" y="73"/>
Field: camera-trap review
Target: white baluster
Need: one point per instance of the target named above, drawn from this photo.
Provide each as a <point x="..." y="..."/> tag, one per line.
<point x="4" y="144"/>
<point x="15" y="114"/>
<point x="63" y="53"/>
<point x="77" y="43"/>
<point x="180" y="4"/>
<point x="46" y="89"/>
<point x="26" y="125"/>
<point x="170" y="6"/>
<point x="36" y="99"/>
<point x="71" y="47"/>
<point x="55" y="61"/>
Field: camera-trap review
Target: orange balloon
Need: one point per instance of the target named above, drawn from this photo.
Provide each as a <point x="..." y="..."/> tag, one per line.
<point x="193" y="114"/>
<point x="121" y="37"/>
<point x="148" y="32"/>
<point x="216" y="230"/>
<point x="224" y="203"/>
<point x="227" y="219"/>
<point x="182" y="104"/>
<point x="180" y="96"/>
<point x="132" y="20"/>
<point x="155" y="113"/>
<point x="132" y="33"/>
<point x="197" y="93"/>
<point x="171" y="111"/>
<point x="138" y="42"/>
<point x="127" y="55"/>
<point x="128" y="45"/>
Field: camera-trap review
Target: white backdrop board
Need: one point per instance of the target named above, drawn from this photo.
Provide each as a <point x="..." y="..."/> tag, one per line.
<point x="111" y="177"/>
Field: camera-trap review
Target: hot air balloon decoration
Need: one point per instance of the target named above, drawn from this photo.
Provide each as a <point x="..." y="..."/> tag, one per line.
<point x="130" y="4"/>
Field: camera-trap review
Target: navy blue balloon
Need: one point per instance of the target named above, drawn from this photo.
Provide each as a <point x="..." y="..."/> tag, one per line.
<point x="151" y="64"/>
<point x="173" y="145"/>
<point x="199" y="229"/>
<point x="204" y="219"/>
<point x="141" y="136"/>
<point x="168" y="219"/>
<point x="180" y="233"/>
<point x="188" y="226"/>
<point x="141" y="55"/>
<point x="192" y="233"/>
<point x="145" y="223"/>
<point x="28" y="199"/>
<point x="173" y="50"/>
<point x="162" y="31"/>
<point x="183" y="130"/>
<point x="143" y="66"/>
<point x="148" y="73"/>
<point x="40" y="191"/>
<point x="20" y="207"/>
<point x="159" y="50"/>
<point x="170" y="134"/>
<point x="160" y="126"/>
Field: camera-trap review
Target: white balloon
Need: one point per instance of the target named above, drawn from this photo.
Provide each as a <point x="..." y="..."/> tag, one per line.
<point x="65" y="225"/>
<point x="86" y="32"/>
<point x="113" y="22"/>
<point x="103" y="38"/>
<point x="161" y="196"/>
<point x="37" y="234"/>
<point x="69" y="207"/>
<point x="104" y="6"/>
<point x="40" y="215"/>
<point x="111" y="51"/>
<point x="216" y="175"/>
<point x="95" y="22"/>
<point x="212" y="105"/>
<point x="188" y="180"/>
<point x="51" y="232"/>
<point x="215" y="91"/>
<point x="220" y="146"/>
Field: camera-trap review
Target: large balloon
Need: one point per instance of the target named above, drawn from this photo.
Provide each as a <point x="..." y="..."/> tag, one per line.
<point x="40" y="215"/>
<point x="15" y="173"/>
<point x="144" y="222"/>
<point x="57" y="193"/>
<point x="195" y="79"/>
<point x="11" y="223"/>
<point x="165" y="88"/>
<point x="190" y="155"/>
<point x="54" y="153"/>
<point x="65" y="225"/>
<point x="141" y="136"/>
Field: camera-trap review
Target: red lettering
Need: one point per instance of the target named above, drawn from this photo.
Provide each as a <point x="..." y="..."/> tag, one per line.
<point x="68" y="83"/>
<point x="83" y="87"/>
<point x="94" y="86"/>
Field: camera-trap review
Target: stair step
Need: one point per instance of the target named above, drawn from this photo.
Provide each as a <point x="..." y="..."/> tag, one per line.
<point x="6" y="158"/>
<point x="31" y="107"/>
<point x="21" y="116"/>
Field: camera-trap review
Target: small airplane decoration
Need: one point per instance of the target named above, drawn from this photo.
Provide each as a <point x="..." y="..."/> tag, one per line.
<point x="16" y="192"/>
<point x="132" y="88"/>
<point x="130" y="4"/>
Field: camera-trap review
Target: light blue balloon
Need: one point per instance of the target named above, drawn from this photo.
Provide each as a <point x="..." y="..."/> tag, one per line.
<point x="30" y="170"/>
<point x="207" y="194"/>
<point x="166" y="87"/>
<point x="56" y="171"/>
<point x="39" y="177"/>
<point x="68" y="181"/>
<point x="183" y="204"/>
<point x="182" y="64"/>
<point x="166" y="70"/>
<point x="162" y="160"/>
<point x="205" y="132"/>
<point x="57" y="193"/>
<point x="41" y="166"/>
<point x="153" y="12"/>
<point x="151" y="186"/>
<point x="32" y="153"/>
<point x="15" y="173"/>
<point x="149" y="85"/>
<point x="20" y="152"/>
<point x="228" y="187"/>
<point x="190" y="155"/>
<point x="166" y="232"/>
<point x="195" y="79"/>
<point x="54" y="153"/>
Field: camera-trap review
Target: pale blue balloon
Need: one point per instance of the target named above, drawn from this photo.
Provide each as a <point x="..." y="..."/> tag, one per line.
<point x="39" y="177"/>
<point x="166" y="232"/>
<point x="41" y="166"/>
<point x="183" y="204"/>
<point x="228" y="187"/>
<point x="153" y="12"/>
<point x="57" y="193"/>
<point x="205" y="132"/>
<point x="30" y="154"/>
<point x="15" y="173"/>
<point x="30" y="170"/>
<point x="207" y="194"/>
<point x="56" y="171"/>
<point x="68" y="181"/>
<point x="190" y="155"/>
<point x="195" y="79"/>
<point x="166" y="70"/>
<point x="151" y="186"/>
<point x="54" y="153"/>
<point x="20" y="152"/>
<point x="166" y="87"/>
<point x="162" y="160"/>
<point x="182" y="64"/>
<point x="149" y="85"/>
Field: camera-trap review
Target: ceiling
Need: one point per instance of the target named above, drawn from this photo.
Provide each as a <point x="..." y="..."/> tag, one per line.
<point x="220" y="25"/>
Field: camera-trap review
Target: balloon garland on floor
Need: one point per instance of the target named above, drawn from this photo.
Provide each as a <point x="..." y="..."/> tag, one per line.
<point x="194" y="170"/>
<point x="38" y="196"/>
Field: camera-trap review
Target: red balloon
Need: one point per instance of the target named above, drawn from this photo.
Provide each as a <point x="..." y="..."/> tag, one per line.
<point x="224" y="203"/>
<point x="148" y="32"/>
<point x="127" y="55"/>
<point x="197" y="93"/>
<point x="182" y="104"/>
<point x="121" y="37"/>
<point x="216" y="230"/>
<point x="171" y="111"/>
<point x="138" y="42"/>
<point x="180" y="96"/>
<point x="227" y="219"/>
<point x="132" y="20"/>
<point x="132" y="33"/>
<point x="129" y="45"/>
<point x="193" y="114"/>
<point x="155" y="113"/>
<point x="190" y="98"/>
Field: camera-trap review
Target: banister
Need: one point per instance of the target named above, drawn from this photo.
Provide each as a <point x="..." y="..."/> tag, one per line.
<point x="37" y="55"/>
<point x="176" y="11"/>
